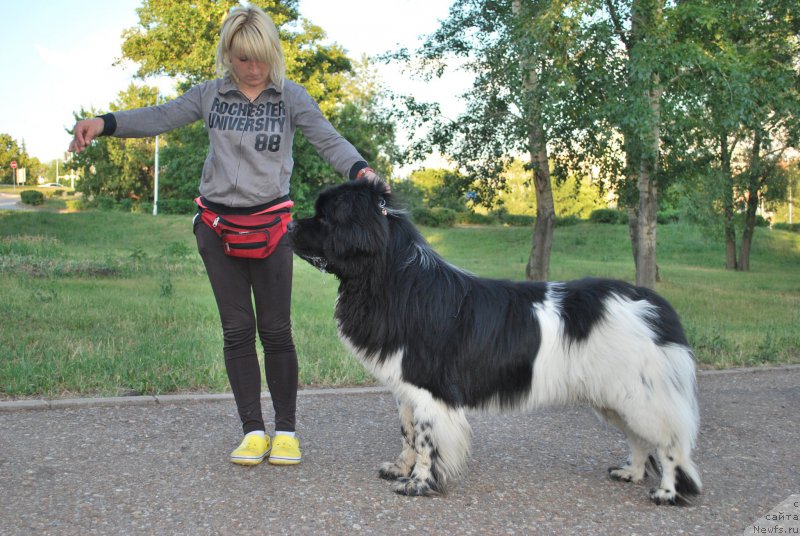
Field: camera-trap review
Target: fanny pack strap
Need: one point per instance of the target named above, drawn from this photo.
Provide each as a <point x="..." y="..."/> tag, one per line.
<point x="275" y="204"/>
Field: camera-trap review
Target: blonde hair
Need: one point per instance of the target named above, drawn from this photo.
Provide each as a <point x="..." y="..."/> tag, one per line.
<point x="250" y="33"/>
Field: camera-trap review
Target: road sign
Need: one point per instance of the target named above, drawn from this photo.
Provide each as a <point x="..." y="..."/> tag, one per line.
<point x="13" y="164"/>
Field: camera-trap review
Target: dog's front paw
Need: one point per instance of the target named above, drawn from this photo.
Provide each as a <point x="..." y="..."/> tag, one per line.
<point x="392" y="471"/>
<point x="626" y="474"/>
<point x="413" y="487"/>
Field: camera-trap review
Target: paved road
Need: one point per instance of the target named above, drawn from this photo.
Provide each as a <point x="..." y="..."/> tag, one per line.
<point x="160" y="467"/>
<point x="11" y="202"/>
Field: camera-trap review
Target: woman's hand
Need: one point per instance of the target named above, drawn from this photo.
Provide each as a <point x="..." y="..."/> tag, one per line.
<point x="85" y="131"/>
<point x="368" y="174"/>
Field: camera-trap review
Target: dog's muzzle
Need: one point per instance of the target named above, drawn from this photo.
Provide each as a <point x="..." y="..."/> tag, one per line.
<point x="320" y="263"/>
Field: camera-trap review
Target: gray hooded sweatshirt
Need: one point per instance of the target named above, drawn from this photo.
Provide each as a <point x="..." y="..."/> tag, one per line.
<point x="249" y="160"/>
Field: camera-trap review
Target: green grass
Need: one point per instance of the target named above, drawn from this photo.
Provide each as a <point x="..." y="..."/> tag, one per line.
<point x="109" y="303"/>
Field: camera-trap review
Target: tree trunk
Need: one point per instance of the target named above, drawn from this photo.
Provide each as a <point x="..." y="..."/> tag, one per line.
<point x="538" y="267"/>
<point x="633" y="233"/>
<point x="749" y="229"/>
<point x="727" y="205"/>
<point x="646" y="267"/>
<point x="753" y="186"/>
<point x="642" y="150"/>
<point x="643" y="214"/>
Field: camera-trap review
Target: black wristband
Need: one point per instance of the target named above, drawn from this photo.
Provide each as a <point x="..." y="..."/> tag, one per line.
<point x="109" y="124"/>
<point x="358" y="166"/>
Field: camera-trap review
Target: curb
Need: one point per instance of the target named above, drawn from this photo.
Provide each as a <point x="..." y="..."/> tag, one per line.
<point x="148" y="400"/>
<point x="85" y="403"/>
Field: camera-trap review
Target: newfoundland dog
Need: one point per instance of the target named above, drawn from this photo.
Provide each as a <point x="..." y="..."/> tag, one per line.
<point x="444" y="341"/>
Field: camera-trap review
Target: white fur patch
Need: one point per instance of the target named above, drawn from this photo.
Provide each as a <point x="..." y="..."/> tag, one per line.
<point x="619" y="367"/>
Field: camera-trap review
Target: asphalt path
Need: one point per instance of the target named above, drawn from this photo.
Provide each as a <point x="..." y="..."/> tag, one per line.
<point x="159" y="465"/>
<point x="11" y="202"/>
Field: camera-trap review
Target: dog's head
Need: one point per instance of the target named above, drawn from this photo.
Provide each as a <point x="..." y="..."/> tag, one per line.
<point x="349" y="231"/>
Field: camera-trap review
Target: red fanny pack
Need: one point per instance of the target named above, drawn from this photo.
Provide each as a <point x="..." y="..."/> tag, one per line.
<point x="253" y="236"/>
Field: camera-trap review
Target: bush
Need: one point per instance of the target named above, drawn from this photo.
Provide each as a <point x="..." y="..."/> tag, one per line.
<point x="434" y="217"/>
<point x="104" y="202"/>
<point x="125" y="205"/>
<point x="606" y="215"/>
<point x="517" y="220"/>
<point x="145" y="207"/>
<point x="668" y="216"/>
<point x="176" y="206"/>
<point x="567" y="221"/>
<point x="475" y="218"/>
<point x="32" y="197"/>
<point x="75" y="205"/>
<point x="791" y="227"/>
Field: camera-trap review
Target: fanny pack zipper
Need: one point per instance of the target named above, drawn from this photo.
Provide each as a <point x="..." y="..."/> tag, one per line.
<point x="220" y="219"/>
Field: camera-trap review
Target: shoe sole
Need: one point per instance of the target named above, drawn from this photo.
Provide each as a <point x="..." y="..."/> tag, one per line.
<point x="284" y="461"/>
<point x="249" y="461"/>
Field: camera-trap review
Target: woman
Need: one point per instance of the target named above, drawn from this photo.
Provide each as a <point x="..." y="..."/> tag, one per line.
<point x="251" y="113"/>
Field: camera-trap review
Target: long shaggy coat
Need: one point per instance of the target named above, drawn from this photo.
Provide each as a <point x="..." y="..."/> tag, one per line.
<point x="444" y="341"/>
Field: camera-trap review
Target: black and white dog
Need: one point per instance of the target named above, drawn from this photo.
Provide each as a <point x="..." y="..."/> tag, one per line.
<point x="444" y="340"/>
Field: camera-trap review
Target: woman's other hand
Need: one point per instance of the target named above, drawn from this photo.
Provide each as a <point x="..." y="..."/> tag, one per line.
<point x="85" y="131"/>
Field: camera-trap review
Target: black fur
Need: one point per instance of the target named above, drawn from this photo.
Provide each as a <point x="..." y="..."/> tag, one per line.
<point x="430" y="307"/>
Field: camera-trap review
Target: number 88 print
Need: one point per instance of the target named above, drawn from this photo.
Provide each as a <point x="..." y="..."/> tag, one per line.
<point x="270" y="143"/>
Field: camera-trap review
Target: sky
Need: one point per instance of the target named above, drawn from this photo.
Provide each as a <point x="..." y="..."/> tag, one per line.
<point x="58" y="57"/>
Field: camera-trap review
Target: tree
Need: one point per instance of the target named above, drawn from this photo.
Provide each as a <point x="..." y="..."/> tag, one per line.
<point x="573" y="196"/>
<point x="740" y="106"/>
<point x="440" y="188"/>
<point x="519" y="51"/>
<point x="633" y="106"/>
<point x="9" y="151"/>
<point x="13" y="151"/>
<point x="117" y="167"/>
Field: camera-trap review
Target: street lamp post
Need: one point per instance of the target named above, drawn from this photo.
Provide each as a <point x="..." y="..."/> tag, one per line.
<point x="155" y="178"/>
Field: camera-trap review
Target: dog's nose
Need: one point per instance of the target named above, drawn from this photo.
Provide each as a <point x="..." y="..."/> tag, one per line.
<point x="290" y="228"/>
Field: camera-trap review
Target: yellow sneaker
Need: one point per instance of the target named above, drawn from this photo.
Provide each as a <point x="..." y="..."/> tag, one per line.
<point x="285" y="451"/>
<point x="252" y="451"/>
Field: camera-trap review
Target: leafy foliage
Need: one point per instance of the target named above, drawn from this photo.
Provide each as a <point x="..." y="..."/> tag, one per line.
<point x="116" y="167"/>
<point x="737" y="111"/>
<point x="636" y="94"/>
<point x="13" y="151"/>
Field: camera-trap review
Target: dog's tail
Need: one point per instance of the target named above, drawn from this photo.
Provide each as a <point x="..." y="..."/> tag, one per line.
<point x="687" y="482"/>
<point x="680" y="415"/>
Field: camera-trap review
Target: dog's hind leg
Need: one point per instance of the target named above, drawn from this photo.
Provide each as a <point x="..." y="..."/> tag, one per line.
<point x="653" y="430"/>
<point x="404" y="463"/>
<point x="635" y="469"/>
<point x="667" y="419"/>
